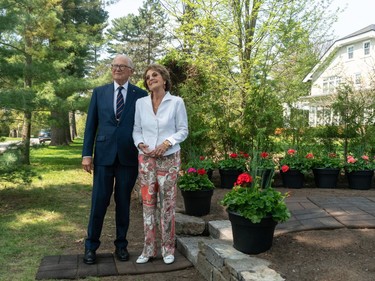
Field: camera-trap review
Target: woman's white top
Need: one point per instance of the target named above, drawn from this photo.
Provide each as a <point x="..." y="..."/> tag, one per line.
<point x="169" y="123"/>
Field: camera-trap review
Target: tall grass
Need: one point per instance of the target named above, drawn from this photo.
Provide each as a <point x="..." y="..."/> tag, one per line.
<point x="46" y="217"/>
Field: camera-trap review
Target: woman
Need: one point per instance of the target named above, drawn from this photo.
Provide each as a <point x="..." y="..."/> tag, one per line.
<point x="160" y="125"/>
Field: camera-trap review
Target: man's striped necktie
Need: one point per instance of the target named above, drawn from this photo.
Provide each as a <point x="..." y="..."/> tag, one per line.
<point x="119" y="103"/>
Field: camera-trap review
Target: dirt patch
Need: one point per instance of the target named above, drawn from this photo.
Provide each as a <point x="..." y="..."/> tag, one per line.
<point x="342" y="254"/>
<point x="322" y="255"/>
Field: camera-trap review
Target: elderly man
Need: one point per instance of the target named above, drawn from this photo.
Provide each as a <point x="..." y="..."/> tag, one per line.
<point x="108" y="136"/>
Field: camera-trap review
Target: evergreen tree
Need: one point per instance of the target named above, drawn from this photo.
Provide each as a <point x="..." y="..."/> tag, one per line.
<point x="44" y="46"/>
<point x="142" y="37"/>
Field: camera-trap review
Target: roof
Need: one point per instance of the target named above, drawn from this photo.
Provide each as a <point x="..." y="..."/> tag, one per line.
<point x="369" y="28"/>
<point x="349" y="39"/>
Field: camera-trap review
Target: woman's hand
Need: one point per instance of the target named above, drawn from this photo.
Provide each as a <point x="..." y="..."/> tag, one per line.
<point x="144" y="148"/>
<point x="159" y="150"/>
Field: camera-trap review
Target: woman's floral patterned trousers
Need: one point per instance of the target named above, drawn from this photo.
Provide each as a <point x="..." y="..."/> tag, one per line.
<point x="158" y="177"/>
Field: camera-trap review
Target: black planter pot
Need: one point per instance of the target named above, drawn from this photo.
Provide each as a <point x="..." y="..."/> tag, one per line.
<point x="326" y="177"/>
<point x="252" y="238"/>
<point x="292" y="178"/>
<point x="197" y="203"/>
<point x="209" y="174"/>
<point x="360" y="179"/>
<point x="228" y="178"/>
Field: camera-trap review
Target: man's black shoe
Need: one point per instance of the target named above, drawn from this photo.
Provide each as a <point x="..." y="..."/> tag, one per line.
<point x="89" y="257"/>
<point x="122" y="254"/>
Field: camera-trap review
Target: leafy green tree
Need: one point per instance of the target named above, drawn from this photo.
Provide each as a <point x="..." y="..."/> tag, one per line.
<point x="190" y="82"/>
<point x="250" y="51"/>
<point x="356" y="109"/>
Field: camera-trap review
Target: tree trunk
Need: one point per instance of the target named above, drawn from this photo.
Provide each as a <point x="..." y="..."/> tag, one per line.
<point x="26" y="129"/>
<point x="73" y="125"/>
<point x="60" y="131"/>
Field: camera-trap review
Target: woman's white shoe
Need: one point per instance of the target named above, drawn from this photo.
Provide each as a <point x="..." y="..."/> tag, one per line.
<point x="168" y="259"/>
<point x="142" y="259"/>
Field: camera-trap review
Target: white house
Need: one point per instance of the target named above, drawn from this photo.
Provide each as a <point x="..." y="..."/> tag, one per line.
<point x="350" y="60"/>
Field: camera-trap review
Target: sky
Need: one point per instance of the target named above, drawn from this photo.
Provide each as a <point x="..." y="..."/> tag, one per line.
<point x="357" y="15"/>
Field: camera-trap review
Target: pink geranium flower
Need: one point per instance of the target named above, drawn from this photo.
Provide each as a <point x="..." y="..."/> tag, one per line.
<point x="350" y="159"/>
<point x="365" y="157"/>
<point x="191" y="170"/>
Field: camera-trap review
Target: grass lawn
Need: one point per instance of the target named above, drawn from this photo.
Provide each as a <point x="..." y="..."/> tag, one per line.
<point x="47" y="217"/>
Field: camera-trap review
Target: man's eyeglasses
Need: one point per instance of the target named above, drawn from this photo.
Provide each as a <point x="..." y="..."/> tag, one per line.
<point x="120" y="66"/>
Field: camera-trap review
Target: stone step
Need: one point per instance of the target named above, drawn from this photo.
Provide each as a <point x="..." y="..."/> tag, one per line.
<point x="213" y="255"/>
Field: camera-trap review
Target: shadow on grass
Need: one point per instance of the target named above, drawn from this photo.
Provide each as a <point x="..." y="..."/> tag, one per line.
<point x="36" y="222"/>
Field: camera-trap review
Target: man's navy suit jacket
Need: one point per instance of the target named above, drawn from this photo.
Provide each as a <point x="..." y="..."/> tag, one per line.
<point x="111" y="137"/>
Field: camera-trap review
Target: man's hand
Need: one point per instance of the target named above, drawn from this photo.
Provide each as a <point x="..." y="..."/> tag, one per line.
<point x="87" y="164"/>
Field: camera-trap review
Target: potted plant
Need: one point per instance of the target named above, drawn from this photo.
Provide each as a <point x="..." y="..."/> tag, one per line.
<point x="204" y="162"/>
<point x="326" y="169"/>
<point x="359" y="171"/>
<point x="230" y="167"/>
<point x="196" y="189"/>
<point x="254" y="213"/>
<point x="294" y="167"/>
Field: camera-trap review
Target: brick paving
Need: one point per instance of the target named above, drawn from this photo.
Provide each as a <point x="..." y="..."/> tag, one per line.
<point x="322" y="212"/>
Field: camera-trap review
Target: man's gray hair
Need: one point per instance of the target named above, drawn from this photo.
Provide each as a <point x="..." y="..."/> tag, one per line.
<point x="130" y="62"/>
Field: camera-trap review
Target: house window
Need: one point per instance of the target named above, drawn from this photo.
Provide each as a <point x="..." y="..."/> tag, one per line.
<point x="350" y="52"/>
<point x="366" y="48"/>
<point x="357" y="78"/>
<point x="325" y="85"/>
<point x="330" y="84"/>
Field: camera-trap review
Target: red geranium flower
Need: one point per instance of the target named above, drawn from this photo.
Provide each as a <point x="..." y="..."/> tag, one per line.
<point x="244" y="179"/>
<point x="284" y="168"/>
<point x="233" y="155"/>
<point x="264" y="155"/>
<point x="291" y="151"/>
<point x="310" y="156"/>
<point x="201" y="171"/>
<point x="201" y="158"/>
